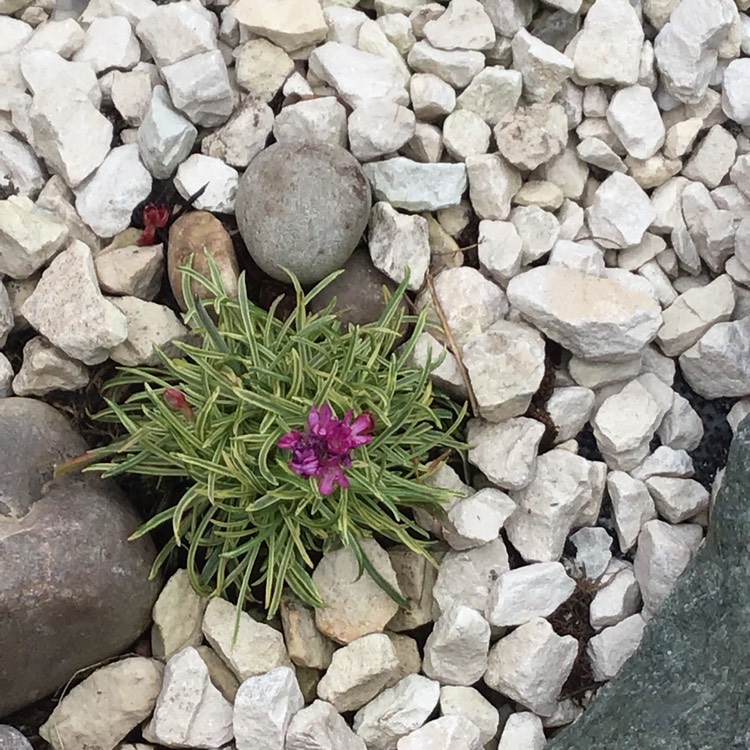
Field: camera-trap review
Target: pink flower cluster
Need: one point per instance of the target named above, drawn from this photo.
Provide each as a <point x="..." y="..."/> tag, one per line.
<point x="324" y="449"/>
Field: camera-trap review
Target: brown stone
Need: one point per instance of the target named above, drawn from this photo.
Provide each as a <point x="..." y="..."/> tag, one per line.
<point x="199" y="234"/>
<point x="73" y="591"/>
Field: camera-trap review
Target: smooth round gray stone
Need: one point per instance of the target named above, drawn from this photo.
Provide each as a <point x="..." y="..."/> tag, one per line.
<point x="12" y="739"/>
<point x="73" y="590"/>
<point x="358" y="291"/>
<point x="303" y="206"/>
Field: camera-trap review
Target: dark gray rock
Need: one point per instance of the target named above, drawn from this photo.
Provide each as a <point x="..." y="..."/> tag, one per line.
<point x="12" y="739"/>
<point x="358" y="291"/>
<point x="73" y="589"/>
<point x="688" y="685"/>
<point x="303" y="206"/>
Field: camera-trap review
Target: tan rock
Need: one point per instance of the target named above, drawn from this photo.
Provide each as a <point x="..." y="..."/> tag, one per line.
<point x="197" y="235"/>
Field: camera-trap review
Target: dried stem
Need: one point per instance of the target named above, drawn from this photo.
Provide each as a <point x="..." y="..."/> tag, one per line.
<point x="452" y="344"/>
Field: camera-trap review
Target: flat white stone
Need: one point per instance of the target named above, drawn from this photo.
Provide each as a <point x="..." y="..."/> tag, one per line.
<point x="594" y="375"/>
<point x="257" y="649"/>
<point x="456" y="67"/>
<point x="69" y="133"/>
<point x="477" y="519"/>
<point x="712" y="158"/>
<point x="549" y="505"/>
<point x="46" y="368"/>
<point x="134" y="10"/>
<point x="358" y="672"/>
<point x="626" y="419"/>
<point x="190" y="711"/>
<point x="190" y="33"/>
<point x="593" y="550"/>
<point x="695" y="312"/>
<point x="321" y="119"/>
<point x="109" y="42"/>
<point x="492" y="94"/>
<point x="532" y="135"/>
<point x="107" y="200"/>
<point x="106" y="706"/>
<point x="682" y="427"/>
<point x="64" y="37"/>
<point x="6" y="314"/>
<point x="610" y="649"/>
<point x="531" y="664"/>
<point x="621" y="212"/>
<point x="465" y="577"/>
<point x="718" y="364"/>
<point x="663" y="553"/>
<point x="431" y="97"/>
<point x="465" y="134"/>
<point x="263" y="708"/>
<point x="522" y="731"/>
<point x="377" y="128"/>
<point x="47" y="73"/>
<point x="6" y="377"/>
<point x="456" y="732"/>
<point x="396" y="712"/>
<point x="178" y="615"/>
<point x="261" y="68"/>
<point x="398" y="242"/>
<point x="292" y="24"/>
<point x="734" y="93"/>
<point x="595" y="151"/>
<point x="618" y="598"/>
<point x="570" y="409"/>
<point x="686" y="48"/>
<point x="358" y="76"/>
<point x="132" y="270"/>
<point x="355" y="604"/>
<point x="306" y="645"/>
<point x="608" y="50"/>
<point x="413" y="186"/>
<point x="28" y="239"/>
<point x="500" y="249"/>
<point x="542" y="66"/>
<point x="165" y="137"/>
<point x="676" y="498"/>
<point x="465" y="25"/>
<point x="200" y="87"/>
<point x="457" y="700"/>
<point x="470" y="302"/>
<point x="634" y="117"/>
<point x="19" y="166"/>
<point x="540" y="193"/>
<point x="538" y="230"/>
<point x="149" y="325"/>
<point x="320" y="727"/>
<point x="68" y="292"/>
<point x="505" y="452"/>
<point x="493" y="182"/>
<point x="521" y="594"/>
<point x="664" y="461"/>
<point x="131" y="95"/>
<point x="595" y="318"/>
<point x="505" y="365"/>
<point x="221" y="180"/>
<point x="456" y="650"/>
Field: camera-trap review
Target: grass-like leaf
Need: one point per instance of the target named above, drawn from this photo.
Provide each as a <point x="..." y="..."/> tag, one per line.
<point x="246" y="519"/>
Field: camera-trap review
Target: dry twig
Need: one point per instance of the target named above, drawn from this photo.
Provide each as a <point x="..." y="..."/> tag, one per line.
<point x="452" y="344"/>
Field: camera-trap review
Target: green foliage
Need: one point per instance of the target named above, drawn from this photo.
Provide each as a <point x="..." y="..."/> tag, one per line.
<point x="246" y="519"/>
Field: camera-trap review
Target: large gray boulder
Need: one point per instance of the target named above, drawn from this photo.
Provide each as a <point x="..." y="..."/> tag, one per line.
<point x="73" y="589"/>
<point x="688" y="685"/>
<point x="303" y="206"/>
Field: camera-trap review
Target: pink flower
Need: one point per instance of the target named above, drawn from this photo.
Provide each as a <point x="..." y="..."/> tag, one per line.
<point x="324" y="449"/>
<point x="176" y="401"/>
